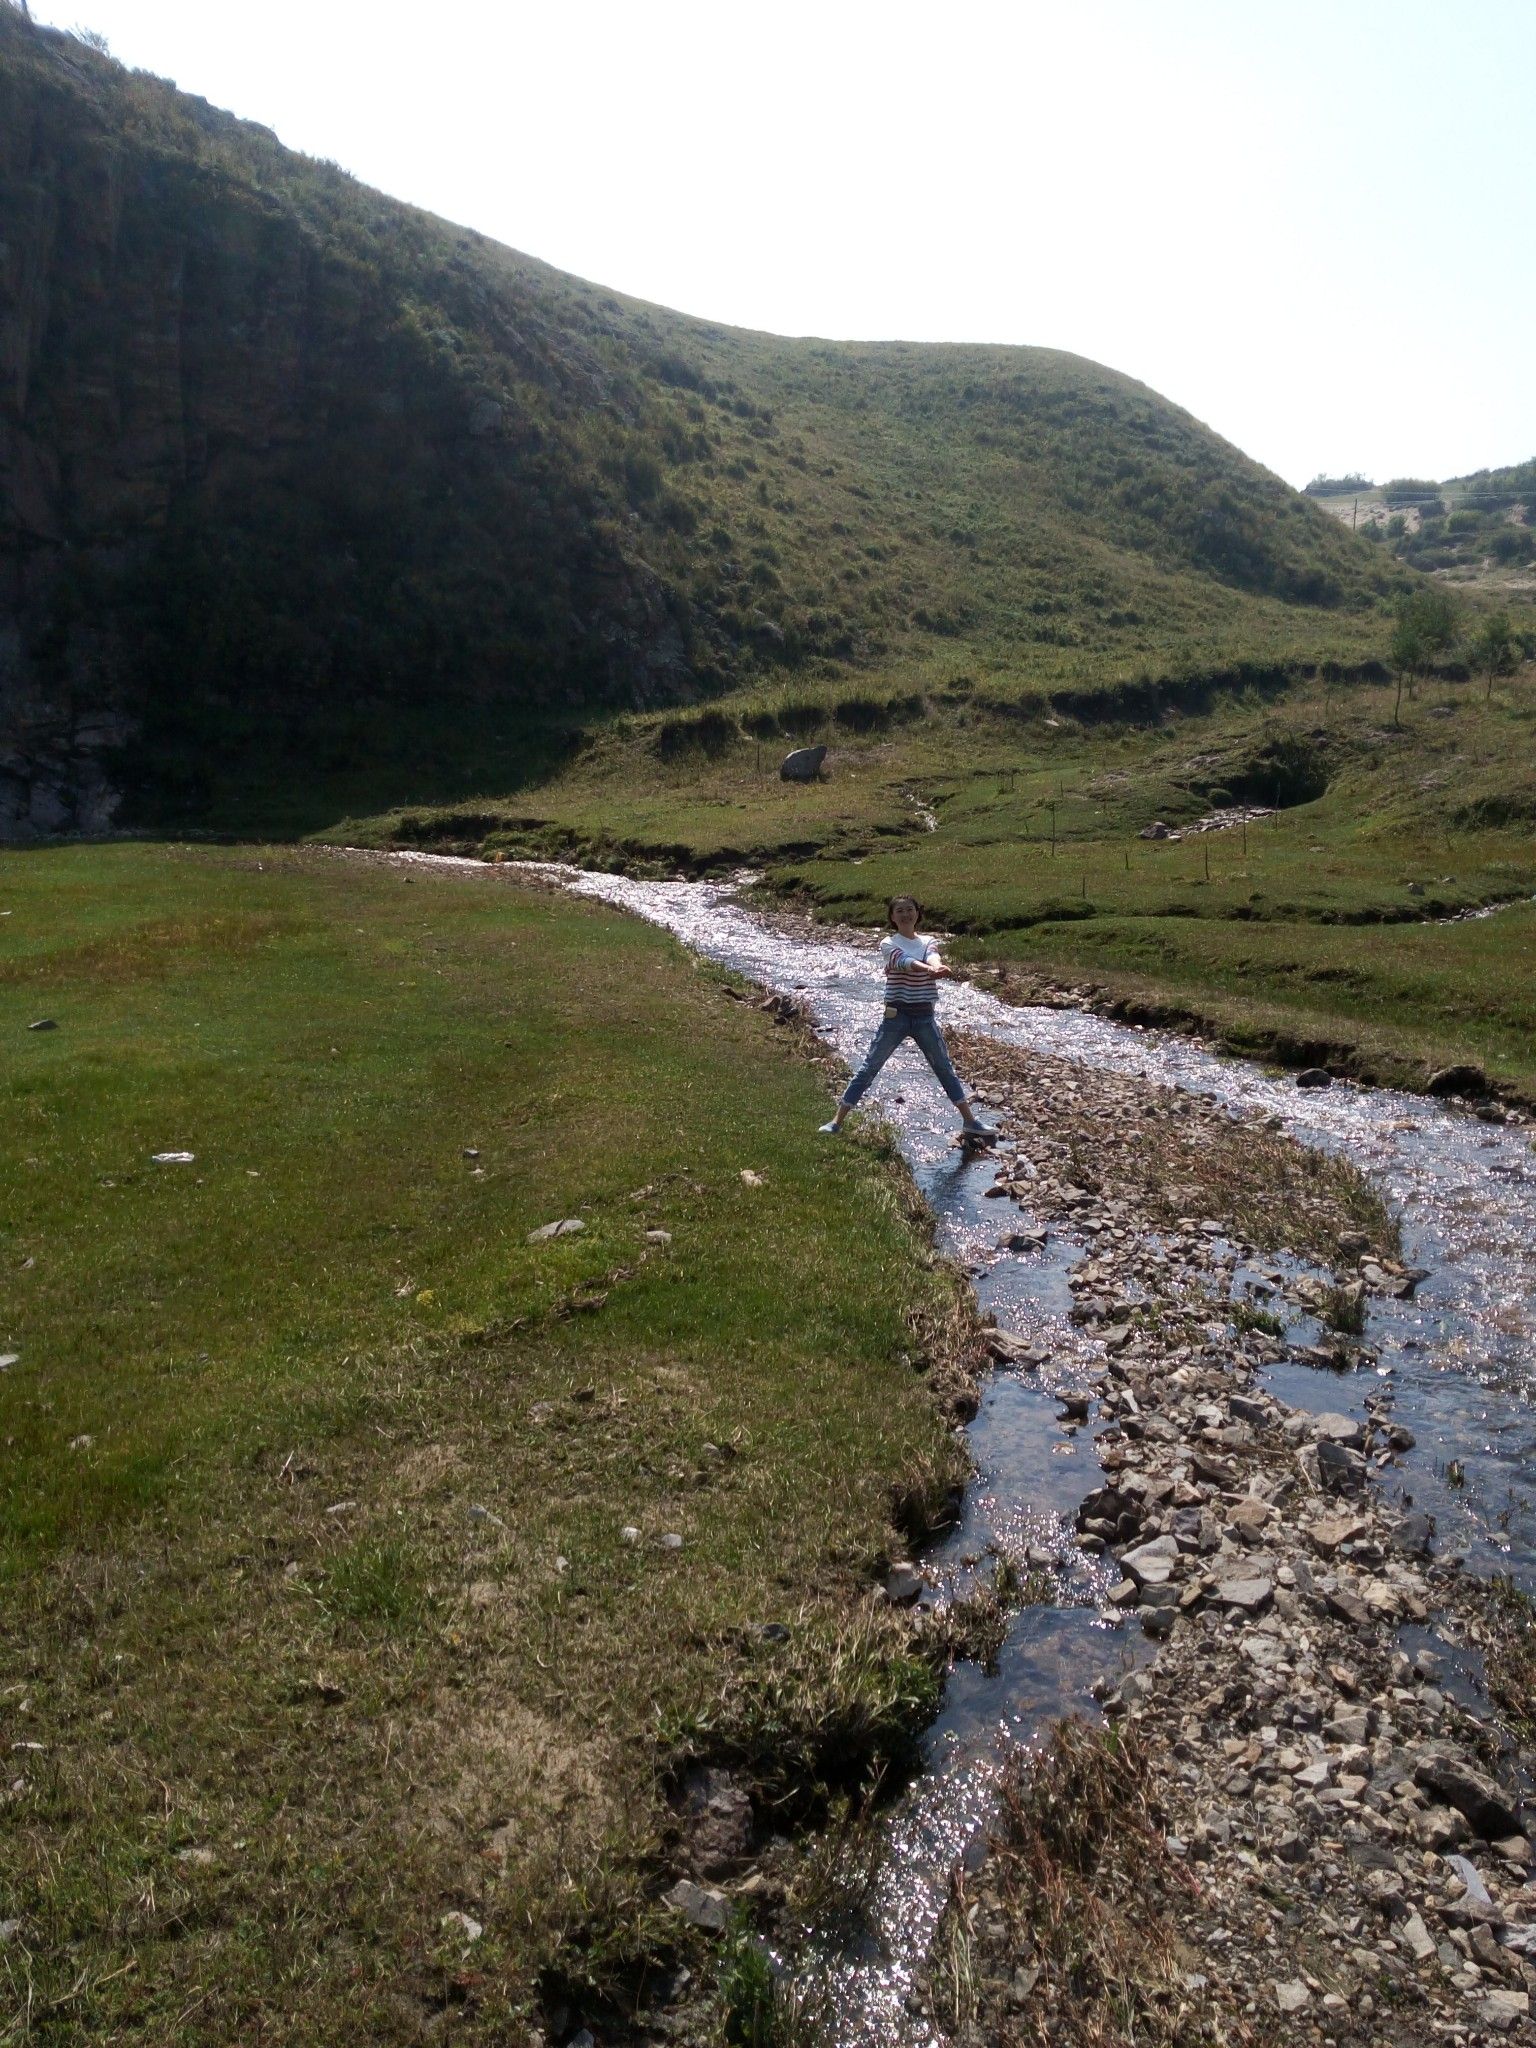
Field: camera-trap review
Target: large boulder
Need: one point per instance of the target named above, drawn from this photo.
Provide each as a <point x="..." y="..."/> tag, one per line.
<point x="803" y="765"/>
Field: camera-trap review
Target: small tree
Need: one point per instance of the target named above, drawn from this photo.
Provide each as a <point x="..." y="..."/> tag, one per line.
<point x="1493" y="648"/>
<point x="1406" y="654"/>
<point x="1427" y="625"/>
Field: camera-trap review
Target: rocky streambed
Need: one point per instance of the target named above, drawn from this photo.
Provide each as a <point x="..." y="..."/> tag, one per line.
<point x="1314" y="1813"/>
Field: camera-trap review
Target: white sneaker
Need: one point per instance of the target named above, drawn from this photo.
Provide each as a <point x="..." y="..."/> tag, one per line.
<point x="833" y="1130"/>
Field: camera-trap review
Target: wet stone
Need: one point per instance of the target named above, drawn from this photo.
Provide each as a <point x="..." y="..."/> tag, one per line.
<point x="700" y="1905"/>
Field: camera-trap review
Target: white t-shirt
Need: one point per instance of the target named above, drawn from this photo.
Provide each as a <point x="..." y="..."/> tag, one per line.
<point x="900" y="987"/>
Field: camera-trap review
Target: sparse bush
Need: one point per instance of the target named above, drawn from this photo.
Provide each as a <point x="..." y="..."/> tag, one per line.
<point x="642" y="475"/>
<point x="710" y="732"/>
<point x="862" y="714"/>
<point x="801" y="719"/>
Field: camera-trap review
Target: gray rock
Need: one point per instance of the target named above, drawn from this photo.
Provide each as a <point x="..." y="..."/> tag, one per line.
<point x="700" y="1905"/>
<point x="1339" y="1469"/>
<point x="903" y="1584"/>
<point x="1292" y="1996"/>
<point x="1417" y="1938"/>
<point x="1022" y="1984"/>
<point x="1252" y="1596"/>
<point x="1338" y="1429"/>
<point x="566" y="1227"/>
<point x="1454" y="1782"/>
<point x="460" y="1924"/>
<point x="1158" y="829"/>
<point x="1314" y="1077"/>
<point x="1472" y="1879"/>
<point x="1151" y="1564"/>
<point x="717" y="1813"/>
<point x="803" y="765"/>
<point x="1502" y="2010"/>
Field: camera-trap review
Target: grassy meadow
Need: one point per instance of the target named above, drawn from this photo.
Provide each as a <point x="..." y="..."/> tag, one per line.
<point x="318" y="1618"/>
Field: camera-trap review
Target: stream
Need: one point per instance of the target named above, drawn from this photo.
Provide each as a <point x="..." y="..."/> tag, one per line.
<point x="1459" y="1356"/>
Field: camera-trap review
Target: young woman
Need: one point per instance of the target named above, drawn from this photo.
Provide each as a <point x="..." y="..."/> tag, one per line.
<point x="913" y="971"/>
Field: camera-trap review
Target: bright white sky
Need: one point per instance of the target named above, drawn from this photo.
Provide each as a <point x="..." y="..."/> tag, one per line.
<point x="1309" y="221"/>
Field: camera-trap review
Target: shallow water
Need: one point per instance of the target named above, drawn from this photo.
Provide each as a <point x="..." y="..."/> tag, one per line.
<point x="1459" y="1358"/>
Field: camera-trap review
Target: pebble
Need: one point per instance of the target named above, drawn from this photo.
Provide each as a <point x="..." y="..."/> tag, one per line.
<point x="461" y="1924"/>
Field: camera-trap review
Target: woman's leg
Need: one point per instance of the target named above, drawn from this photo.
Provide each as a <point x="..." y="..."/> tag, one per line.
<point x="885" y="1041"/>
<point x="930" y="1040"/>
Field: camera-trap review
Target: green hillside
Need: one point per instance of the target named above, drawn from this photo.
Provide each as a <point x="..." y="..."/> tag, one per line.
<point x="324" y="503"/>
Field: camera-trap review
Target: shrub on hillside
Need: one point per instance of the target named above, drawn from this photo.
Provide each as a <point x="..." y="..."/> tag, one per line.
<point x="710" y="733"/>
<point x="1410" y="490"/>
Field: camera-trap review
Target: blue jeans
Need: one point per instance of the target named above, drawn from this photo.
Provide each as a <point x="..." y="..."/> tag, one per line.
<point x="917" y="1022"/>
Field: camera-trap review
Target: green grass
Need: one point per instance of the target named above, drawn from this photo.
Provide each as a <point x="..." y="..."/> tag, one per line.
<point x="252" y="1610"/>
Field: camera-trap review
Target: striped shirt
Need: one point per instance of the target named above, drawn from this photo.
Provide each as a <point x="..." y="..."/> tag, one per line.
<point x="901" y="984"/>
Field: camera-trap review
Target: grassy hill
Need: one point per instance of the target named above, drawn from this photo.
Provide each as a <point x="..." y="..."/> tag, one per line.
<point x="324" y="503"/>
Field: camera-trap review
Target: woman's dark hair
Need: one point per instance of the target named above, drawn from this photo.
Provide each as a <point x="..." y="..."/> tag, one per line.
<point x="890" y="908"/>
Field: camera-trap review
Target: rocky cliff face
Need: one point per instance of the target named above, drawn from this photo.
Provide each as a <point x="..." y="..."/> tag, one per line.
<point x="249" y="500"/>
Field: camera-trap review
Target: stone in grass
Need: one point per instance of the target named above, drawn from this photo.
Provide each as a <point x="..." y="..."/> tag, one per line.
<point x="566" y="1227"/>
<point x="902" y="1585"/>
<point x="1293" y="1996"/>
<point x="8" y="1359"/>
<point x="700" y="1905"/>
<point x="1314" y="1077"/>
<point x="43" y="1024"/>
<point x="461" y="1925"/>
<point x="803" y="765"/>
